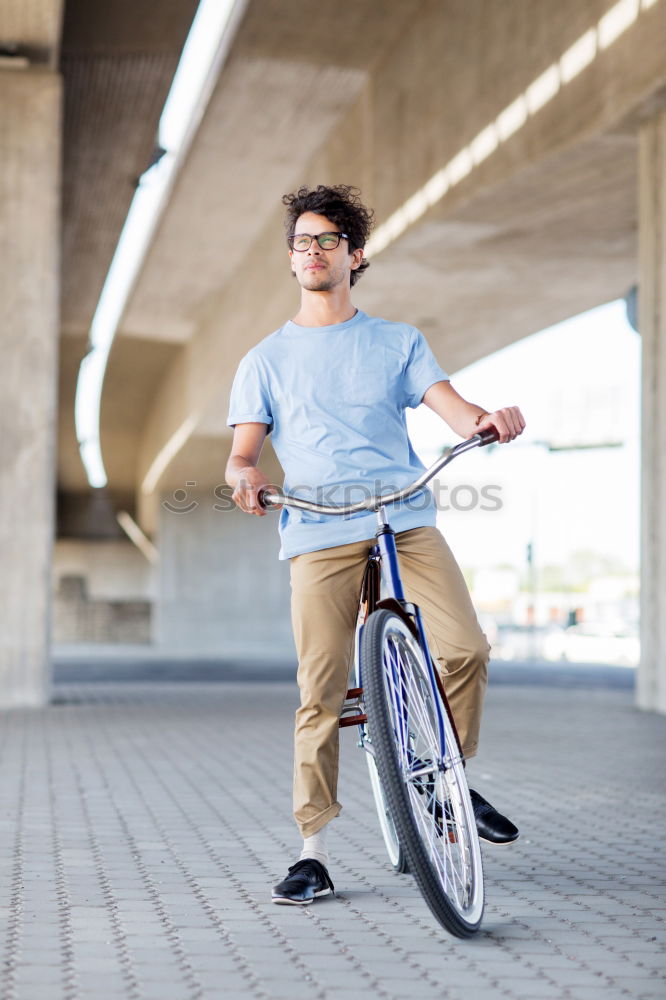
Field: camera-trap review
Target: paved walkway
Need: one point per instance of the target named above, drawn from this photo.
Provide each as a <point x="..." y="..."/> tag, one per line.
<point x="143" y="824"/>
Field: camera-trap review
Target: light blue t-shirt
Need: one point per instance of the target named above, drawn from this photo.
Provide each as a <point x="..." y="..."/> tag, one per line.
<point x="334" y="398"/>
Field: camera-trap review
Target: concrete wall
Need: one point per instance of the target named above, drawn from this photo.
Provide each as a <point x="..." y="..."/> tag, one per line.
<point x="221" y="588"/>
<point x="651" y="692"/>
<point x="30" y="105"/>
<point x="103" y="592"/>
<point x="112" y="570"/>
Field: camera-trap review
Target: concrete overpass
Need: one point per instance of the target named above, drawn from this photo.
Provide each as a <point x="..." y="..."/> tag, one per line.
<point x="514" y="154"/>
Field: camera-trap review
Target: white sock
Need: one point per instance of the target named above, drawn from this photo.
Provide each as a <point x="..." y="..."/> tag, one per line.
<point x="315" y="847"/>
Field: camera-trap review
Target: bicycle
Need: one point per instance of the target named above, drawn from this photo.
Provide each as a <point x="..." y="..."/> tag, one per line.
<point x="416" y="765"/>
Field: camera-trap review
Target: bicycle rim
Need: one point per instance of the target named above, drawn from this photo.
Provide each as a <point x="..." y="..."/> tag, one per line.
<point x="395" y="853"/>
<point x="425" y="786"/>
<point x="389" y="833"/>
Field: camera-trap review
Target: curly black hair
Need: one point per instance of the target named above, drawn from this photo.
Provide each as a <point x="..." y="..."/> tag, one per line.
<point x="342" y="205"/>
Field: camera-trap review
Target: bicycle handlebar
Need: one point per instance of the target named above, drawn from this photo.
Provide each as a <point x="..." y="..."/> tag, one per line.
<point x="270" y="497"/>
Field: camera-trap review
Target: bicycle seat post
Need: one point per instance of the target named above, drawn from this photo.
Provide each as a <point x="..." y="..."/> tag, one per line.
<point x="382" y="520"/>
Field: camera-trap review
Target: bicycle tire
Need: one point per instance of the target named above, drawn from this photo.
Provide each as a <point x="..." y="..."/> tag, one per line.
<point x="426" y="789"/>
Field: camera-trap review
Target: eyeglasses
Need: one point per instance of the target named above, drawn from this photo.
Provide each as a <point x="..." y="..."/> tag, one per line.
<point x="327" y="241"/>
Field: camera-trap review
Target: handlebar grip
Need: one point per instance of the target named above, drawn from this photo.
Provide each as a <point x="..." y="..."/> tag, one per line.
<point x="262" y="498"/>
<point x="487" y="436"/>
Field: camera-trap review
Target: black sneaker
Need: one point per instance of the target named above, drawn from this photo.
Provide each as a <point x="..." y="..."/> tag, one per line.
<point x="306" y="879"/>
<point x="491" y="825"/>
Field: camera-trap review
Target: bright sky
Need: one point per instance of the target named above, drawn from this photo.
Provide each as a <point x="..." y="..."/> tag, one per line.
<point x="576" y="383"/>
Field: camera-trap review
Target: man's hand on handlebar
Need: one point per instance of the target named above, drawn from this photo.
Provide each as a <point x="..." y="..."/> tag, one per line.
<point x="250" y="481"/>
<point x="508" y="422"/>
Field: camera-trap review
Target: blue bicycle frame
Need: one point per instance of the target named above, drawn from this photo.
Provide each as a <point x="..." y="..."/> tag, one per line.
<point x="385" y="548"/>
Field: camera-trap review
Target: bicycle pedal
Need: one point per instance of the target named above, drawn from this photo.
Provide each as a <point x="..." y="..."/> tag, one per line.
<point x="352" y="720"/>
<point x="352" y="713"/>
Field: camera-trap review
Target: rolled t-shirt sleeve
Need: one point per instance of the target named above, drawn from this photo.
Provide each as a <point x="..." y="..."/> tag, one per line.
<point x="250" y="397"/>
<point x="421" y="371"/>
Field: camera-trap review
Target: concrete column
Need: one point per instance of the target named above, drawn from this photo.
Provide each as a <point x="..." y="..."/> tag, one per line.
<point x="30" y="109"/>
<point x="651" y="688"/>
<point x="222" y="590"/>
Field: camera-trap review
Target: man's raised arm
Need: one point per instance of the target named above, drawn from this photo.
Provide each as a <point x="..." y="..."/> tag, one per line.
<point x="467" y="419"/>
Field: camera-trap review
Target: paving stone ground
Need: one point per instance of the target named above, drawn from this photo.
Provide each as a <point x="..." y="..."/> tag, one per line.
<point x="142" y="825"/>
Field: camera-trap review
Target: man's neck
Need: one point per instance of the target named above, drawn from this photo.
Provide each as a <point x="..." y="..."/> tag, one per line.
<point x="324" y="308"/>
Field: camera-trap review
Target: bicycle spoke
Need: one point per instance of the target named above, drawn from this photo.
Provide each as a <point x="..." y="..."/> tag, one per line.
<point x="449" y="858"/>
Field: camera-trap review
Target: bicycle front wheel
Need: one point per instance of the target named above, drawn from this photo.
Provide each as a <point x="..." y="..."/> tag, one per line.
<point x="423" y="782"/>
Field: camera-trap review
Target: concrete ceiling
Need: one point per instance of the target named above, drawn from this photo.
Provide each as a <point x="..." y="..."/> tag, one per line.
<point x="118" y="60"/>
<point x="568" y="223"/>
<point x="376" y="94"/>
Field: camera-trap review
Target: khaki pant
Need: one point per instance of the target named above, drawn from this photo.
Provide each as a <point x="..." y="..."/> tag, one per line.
<point x="325" y="589"/>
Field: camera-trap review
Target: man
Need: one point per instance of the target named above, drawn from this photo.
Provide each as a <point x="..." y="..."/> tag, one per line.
<point x="332" y="386"/>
